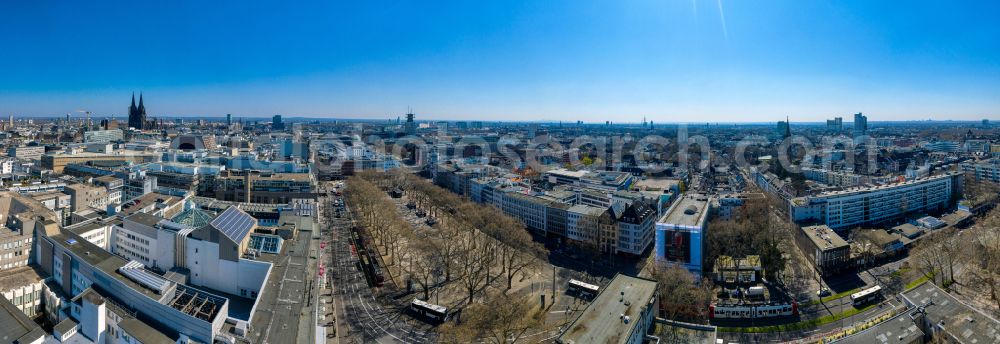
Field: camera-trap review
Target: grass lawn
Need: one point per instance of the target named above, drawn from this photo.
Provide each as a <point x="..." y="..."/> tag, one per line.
<point x="917" y="282"/>
<point x="831" y="297"/>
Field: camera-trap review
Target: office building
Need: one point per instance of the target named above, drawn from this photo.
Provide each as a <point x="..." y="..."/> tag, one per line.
<point x="621" y="313"/>
<point x="174" y="309"/>
<point x="835" y="125"/>
<point x="828" y="252"/>
<point x="860" y="124"/>
<point x="58" y="161"/>
<point x="259" y="187"/>
<point x="16" y="327"/>
<point x="410" y="127"/>
<point x="681" y="231"/>
<point x="636" y="223"/>
<point x="103" y="136"/>
<point x="19" y="216"/>
<point x="83" y="196"/>
<point x="26" y="152"/>
<point x="276" y="123"/>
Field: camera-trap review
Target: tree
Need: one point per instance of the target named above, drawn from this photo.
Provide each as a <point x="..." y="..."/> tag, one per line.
<point x="425" y="265"/>
<point x="499" y="319"/>
<point x="680" y="298"/>
<point x="981" y="258"/>
<point x="475" y="257"/>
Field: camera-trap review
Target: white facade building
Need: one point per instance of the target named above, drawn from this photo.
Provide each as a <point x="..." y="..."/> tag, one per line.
<point x="869" y="205"/>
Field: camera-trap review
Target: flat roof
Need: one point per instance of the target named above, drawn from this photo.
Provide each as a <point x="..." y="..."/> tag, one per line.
<point x="601" y="321"/>
<point x="567" y="173"/>
<point x="15" y="326"/>
<point x="142" y="332"/>
<point x="952" y="316"/>
<point x="676" y="332"/>
<point x="19" y="277"/>
<point x="861" y="190"/>
<point x="656" y="183"/>
<point x="99" y="259"/>
<point x="145" y="219"/>
<point x="83" y="227"/>
<point x="118" y="153"/>
<point x="687" y="211"/>
<point x="898" y="329"/>
<point x="909" y="229"/>
<point x="824" y="237"/>
<point x="586" y="209"/>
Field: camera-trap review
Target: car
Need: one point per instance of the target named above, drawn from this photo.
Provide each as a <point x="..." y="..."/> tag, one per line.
<point x="823" y="292"/>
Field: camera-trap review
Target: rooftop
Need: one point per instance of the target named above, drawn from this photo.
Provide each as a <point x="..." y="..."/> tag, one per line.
<point x="964" y="323"/>
<point x="656" y="184"/>
<point x="860" y="190"/>
<point x="15" y="326"/>
<point x="145" y="219"/>
<point x="898" y="329"/>
<point x="687" y="211"/>
<point x="567" y="173"/>
<point x="117" y="153"/>
<point x="602" y="321"/>
<point x="824" y="237"/>
<point x="20" y="276"/>
<point x="143" y="333"/>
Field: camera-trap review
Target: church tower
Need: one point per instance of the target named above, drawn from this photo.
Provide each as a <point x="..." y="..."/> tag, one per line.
<point x="137" y="114"/>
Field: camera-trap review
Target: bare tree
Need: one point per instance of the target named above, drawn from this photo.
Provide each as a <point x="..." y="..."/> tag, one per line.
<point x="680" y="297"/>
<point x="499" y="319"/>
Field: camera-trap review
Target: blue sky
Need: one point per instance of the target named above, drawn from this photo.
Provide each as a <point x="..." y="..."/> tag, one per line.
<point x="667" y="60"/>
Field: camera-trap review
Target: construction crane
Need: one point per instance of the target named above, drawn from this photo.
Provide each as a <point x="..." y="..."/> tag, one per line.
<point x="87" y="122"/>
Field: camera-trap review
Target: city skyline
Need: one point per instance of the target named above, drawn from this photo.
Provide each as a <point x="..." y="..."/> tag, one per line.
<point x="671" y="62"/>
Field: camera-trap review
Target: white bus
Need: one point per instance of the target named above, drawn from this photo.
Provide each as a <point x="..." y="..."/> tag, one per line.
<point x="582" y="289"/>
<point x="865" y="296"/>
<point x="431" y="311"/>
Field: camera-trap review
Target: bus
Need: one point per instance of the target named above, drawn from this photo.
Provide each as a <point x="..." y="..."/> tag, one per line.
<point x="430" y="311"/>
<point x="865" y="296"/>
<point x="582" y="289"/>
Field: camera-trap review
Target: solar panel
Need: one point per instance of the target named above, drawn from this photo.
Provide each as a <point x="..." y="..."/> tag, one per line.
<point x="234" y="223"/>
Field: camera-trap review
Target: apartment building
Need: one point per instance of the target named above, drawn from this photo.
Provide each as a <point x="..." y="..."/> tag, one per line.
<point x="986" y="171"/>
<point x="840" y="178"/>
<point x="878" y="204"/>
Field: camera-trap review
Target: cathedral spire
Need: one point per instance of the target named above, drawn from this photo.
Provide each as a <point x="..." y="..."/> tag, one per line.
<point x="142" y="108"/>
